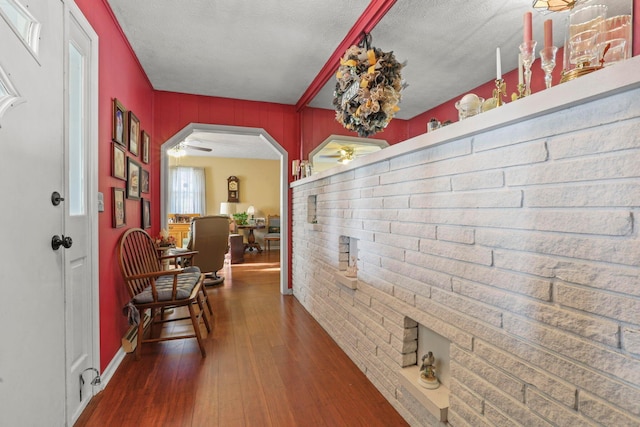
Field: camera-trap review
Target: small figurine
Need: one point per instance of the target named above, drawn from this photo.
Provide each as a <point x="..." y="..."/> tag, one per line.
<point x="433" y="124"/>
<point x="427" y="378"/>
<point x="352" y="270"/>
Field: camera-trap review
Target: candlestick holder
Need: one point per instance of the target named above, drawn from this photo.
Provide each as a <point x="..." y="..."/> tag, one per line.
<point x="548" y="63"/>
<point x="499" y="92"/>
<point x="520" y="94"/>
<point x="496" y="99"/>
<point x="528" y="51"/>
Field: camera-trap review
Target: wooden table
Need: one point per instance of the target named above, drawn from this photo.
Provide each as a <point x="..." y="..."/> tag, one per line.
<point x="251" y="238"/>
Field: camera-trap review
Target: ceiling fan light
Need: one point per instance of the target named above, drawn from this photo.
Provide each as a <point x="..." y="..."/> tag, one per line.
<point x="346" y="155"/>
<point x="177" y="151"/>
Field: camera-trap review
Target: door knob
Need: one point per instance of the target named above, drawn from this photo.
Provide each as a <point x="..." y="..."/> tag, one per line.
<point x="57" y="241"/>
<point x="56" y="198"/>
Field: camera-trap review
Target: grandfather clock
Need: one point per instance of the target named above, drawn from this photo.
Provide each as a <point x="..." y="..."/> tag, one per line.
<point x="233" y="189"/>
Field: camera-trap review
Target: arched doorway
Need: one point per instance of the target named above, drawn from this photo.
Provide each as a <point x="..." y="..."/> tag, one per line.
<point x="262" y="137"/>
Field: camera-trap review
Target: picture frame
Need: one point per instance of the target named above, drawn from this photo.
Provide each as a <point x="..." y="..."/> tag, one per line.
<point x="261" y="222"/>
<point x="133" y="179"/>
<point x="119" y="208"/>
<point x="118" y="162"/>
<point x="146" y="140"/>
<point x="145" y="210"/>
<point x="134" y="134"/>
<point x="144" y="181"/>
<point x="119" y="127"/>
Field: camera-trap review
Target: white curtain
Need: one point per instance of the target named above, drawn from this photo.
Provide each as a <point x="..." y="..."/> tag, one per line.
<point x="186" y="190"/>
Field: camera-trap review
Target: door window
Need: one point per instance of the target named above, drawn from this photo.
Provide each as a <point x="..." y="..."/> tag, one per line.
<point x="77" y="184"/>
<point x="22" y="23"/>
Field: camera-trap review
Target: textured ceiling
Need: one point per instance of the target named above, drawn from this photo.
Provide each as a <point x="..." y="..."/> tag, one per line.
<point x="271" y="50"/>
<point x="262" y="50"/>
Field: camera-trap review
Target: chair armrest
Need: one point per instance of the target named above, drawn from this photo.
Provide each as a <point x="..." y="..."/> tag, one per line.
<point x="155" y="274"/>
<point x="178" y="255"/>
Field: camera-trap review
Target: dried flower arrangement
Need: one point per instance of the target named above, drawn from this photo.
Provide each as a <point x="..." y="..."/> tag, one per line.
<point x="164" y="239"/>
<point x="367" y="90"/>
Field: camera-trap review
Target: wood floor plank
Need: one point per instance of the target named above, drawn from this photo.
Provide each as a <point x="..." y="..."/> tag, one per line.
<point x="269" y="363"/>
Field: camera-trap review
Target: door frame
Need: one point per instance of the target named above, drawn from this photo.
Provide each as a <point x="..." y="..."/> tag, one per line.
<point x="284" y="184"/>
<point x="72" y="12"/>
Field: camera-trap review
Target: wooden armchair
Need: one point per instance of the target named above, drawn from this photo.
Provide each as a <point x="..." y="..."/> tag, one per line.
<point x="154" y="289"/>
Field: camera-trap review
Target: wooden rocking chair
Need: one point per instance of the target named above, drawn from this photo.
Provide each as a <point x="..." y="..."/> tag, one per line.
<point x="152" y="288"/>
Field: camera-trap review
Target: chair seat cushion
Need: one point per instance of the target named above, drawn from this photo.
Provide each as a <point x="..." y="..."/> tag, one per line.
<point x="164" y="284"/>
<point x="272" y="236"/>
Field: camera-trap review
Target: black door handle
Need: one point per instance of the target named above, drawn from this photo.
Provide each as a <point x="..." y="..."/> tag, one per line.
<point x="57" y="241"/>
<point x="56" y="198"/>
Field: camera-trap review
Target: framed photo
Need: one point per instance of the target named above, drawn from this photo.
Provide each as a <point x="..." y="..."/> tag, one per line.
<point x="119" y="214"/>
<point x="134" y="134"/>
<point x="260" y="222"/>
<point x="146" y="213"/>
<point x="145" y="147"/>
<point x="133" y="179"/>
<point x="144" y="181"/>
<point x="119" y="165"/>
<point x="119" y="132"/>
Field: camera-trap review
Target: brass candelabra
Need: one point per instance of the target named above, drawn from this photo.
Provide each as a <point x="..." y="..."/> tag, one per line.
<point x="499" y="92"/>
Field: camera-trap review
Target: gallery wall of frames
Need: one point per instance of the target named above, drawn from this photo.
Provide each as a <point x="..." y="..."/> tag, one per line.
<point x="129" y="163"/>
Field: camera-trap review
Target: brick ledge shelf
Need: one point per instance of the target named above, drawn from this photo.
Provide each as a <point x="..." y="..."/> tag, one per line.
<point x="436" y="401"/>
<point x="349" y="282"/>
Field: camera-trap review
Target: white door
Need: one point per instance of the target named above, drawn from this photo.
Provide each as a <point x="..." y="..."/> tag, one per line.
<point x="38" y="345"/>
<point x="81" y="314"/>
<point x="32" y="375"/>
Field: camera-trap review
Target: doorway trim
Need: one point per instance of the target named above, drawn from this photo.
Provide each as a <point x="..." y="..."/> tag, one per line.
<point x="75" y="19"/>
<point x="284" y="184"/>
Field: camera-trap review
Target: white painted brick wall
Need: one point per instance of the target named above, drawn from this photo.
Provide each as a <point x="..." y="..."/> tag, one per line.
<point x="520" y="245"/>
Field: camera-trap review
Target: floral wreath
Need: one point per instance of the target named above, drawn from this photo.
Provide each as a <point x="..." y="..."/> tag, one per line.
<point x="367" y="89"/>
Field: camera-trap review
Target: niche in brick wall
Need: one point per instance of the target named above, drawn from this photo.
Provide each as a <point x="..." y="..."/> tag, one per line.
<point x="347" y="254"/>
<point x="436" y="401"/>
<point x="439" y="346"/>
<point x="347" y="262"/>
<point x="312" y="203"/>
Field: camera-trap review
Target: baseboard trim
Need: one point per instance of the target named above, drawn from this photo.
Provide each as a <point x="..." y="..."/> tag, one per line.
<point x="111" y="368"/>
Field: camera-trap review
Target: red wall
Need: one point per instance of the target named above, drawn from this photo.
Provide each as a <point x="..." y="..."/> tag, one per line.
<point x="173" y="111"/>
<point x="120" y="76"/>
<point x="318" y="124"/>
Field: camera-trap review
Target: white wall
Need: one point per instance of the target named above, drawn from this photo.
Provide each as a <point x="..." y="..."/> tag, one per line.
<point x="517" y="242"/>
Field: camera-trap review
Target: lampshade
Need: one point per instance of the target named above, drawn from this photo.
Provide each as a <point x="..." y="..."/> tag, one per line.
<point x="553" y="5"/>
<point x="251" y="210"/>
<point x="227" y="208"/>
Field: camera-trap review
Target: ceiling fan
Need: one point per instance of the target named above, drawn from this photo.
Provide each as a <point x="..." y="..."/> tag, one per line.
<point x="181" y="148"/>
<point x="345" y="154"/>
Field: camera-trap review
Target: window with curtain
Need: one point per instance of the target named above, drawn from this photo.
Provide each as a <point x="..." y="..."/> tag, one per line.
<point x="186" y="190"/>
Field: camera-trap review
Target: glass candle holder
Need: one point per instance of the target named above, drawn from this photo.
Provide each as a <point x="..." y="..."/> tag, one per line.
<point x="528" y="52"/>
<point x="614" y="40"/>
<point x="548" y="63"/>
<point x="583" y="49"/>
<point x="580" y="48"/>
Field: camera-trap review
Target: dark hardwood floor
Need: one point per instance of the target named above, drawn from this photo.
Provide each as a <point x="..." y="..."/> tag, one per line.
<point x="268" y="364"/>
